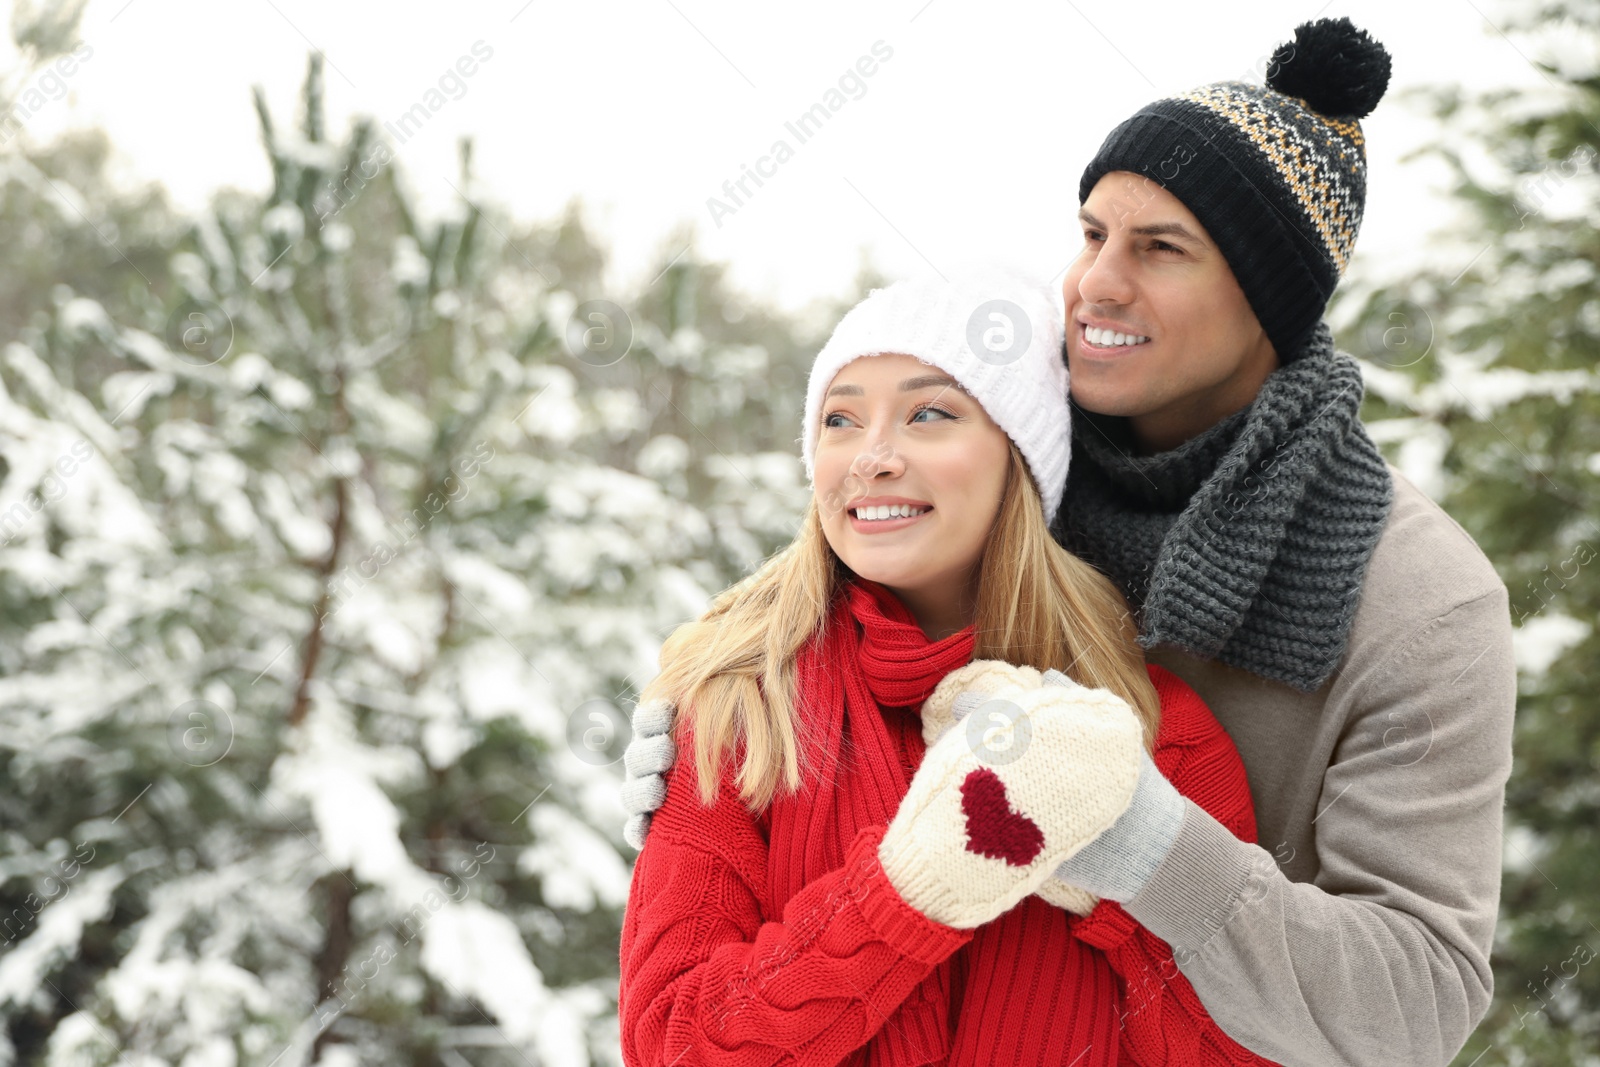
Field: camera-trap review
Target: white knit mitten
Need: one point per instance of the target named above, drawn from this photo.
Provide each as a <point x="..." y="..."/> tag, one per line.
<point x="968" y="688"/>
<point x="649" y="753"/>
<point x="987" y="820"/>
<point x="1119" y="861"/>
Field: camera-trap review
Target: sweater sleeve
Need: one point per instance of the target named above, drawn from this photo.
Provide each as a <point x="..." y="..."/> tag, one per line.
<point x="1162" y="1019"/>
<point x="1383" y="957"/>
<point x="706" y="979"/>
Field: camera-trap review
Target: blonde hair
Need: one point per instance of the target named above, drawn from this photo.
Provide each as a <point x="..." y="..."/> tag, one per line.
<point x="732" y="674"/>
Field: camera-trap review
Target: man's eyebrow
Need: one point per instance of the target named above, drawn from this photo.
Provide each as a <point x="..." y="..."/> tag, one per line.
<point x="1154" y="229"/>
<point x="907" y="386"/>
<point x="1168" y="229"/>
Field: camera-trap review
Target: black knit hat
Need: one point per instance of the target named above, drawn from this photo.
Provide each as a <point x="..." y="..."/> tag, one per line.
<point x="1277" y="174"/>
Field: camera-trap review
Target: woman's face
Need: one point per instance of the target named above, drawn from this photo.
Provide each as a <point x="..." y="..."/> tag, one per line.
<point x="899" y="434"/>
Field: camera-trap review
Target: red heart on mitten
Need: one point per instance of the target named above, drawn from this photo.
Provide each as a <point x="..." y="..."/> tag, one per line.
<point x="994" y="828"/>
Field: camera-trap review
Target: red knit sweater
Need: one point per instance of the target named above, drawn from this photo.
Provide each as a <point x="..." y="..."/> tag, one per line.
<point x="758" y="939"/>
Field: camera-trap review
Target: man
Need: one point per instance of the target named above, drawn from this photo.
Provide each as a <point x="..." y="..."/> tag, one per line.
<point x="1349" y="635"/>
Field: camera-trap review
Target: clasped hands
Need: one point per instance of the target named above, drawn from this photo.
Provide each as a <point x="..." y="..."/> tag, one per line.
<point x="1046" y="789"/>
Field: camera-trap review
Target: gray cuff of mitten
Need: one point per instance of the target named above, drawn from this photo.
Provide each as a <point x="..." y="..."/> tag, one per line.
<point x="1117" y="864"/>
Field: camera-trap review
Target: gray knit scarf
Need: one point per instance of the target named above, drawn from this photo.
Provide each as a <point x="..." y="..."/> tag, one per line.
<point x="1248" y="543"/>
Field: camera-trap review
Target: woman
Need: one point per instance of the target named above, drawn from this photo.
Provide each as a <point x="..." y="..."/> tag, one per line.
<point x="859" y="862"/>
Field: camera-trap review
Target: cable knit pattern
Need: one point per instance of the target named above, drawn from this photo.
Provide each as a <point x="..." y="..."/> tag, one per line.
<point x="1248" y="543"/>
<point x="776" y="938"/>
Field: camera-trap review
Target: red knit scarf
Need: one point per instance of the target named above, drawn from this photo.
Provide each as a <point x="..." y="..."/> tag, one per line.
<point x="861" y="684"/>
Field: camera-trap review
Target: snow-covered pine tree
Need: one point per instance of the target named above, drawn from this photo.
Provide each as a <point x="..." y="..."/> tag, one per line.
<point x="1482" y="385"/>
<point x="335" y="544"/>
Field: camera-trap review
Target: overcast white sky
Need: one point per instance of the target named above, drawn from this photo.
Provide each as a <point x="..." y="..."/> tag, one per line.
<point x="967" y="142"/>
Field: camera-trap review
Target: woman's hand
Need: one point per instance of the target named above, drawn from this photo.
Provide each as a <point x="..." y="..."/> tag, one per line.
<point x="968" y="689"/>
<point x="991" y="813"/>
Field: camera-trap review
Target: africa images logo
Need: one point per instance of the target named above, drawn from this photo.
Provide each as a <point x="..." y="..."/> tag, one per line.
<point x="804" y="127"/>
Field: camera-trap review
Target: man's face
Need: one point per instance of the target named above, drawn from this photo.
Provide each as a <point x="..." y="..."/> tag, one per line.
<point x="1157" y="328"/>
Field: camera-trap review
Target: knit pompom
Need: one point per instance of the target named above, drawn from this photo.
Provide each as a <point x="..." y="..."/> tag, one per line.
<point x="1337" y="69"/>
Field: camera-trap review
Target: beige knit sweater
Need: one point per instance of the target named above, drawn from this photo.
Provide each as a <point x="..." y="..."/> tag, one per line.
<point x="1359" y="930"/>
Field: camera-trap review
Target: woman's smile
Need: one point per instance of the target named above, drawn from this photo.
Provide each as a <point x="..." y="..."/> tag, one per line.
<point x="884" y="514"/>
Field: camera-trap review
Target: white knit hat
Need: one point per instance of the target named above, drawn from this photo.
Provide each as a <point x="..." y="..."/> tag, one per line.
<point x="989" y="329"/>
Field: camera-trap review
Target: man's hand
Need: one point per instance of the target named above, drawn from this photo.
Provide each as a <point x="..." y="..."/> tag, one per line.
<point x="649" y="754"/>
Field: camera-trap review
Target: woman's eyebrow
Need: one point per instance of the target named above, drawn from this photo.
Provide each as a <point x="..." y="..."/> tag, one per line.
<point x="927" y="381"/>
<point x="907" y="386"/>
